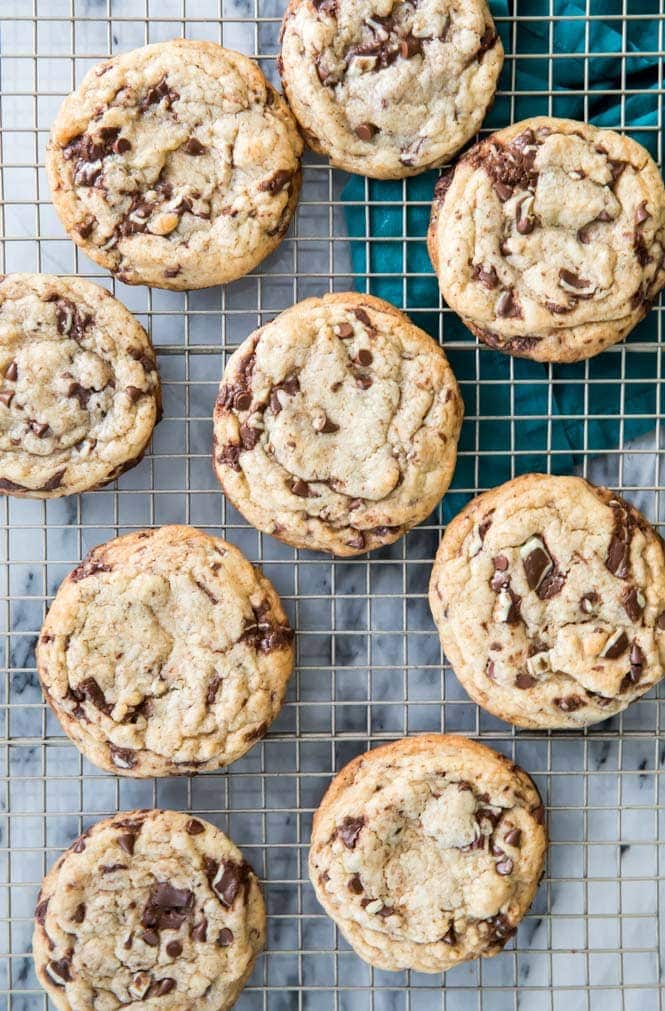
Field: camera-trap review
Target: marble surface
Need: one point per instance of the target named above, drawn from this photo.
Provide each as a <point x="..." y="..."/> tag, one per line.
<point x="369" y="664"/>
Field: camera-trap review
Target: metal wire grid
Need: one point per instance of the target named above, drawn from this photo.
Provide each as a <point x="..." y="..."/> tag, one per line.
<point x="369" y="666"/>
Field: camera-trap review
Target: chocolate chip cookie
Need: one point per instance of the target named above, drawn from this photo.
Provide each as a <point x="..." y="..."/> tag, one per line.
<point x="151" y="909"/>
<point x="79" y="389"/>
<point x="336" y="425"/>
<point x="389" y="88"/>
<point x="549" y="597"/>
<point x="176" y="165"/>
<point x="427" y="852"/>
<point x="548" y="238"/>
<point x="165" y="652"/>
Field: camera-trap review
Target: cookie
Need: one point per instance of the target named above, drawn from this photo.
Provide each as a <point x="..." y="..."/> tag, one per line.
<point x="165" y="652"/>
<point x="388" y="89"/>
<point x="79" y="393"/>
<point x="427" y="852"/>
<point x="176" y="165"/>
<point x="150" y="909"/>
<point x="549" y="597"/>
<point x="548" y="238"/>
<point x="336" y="425"/>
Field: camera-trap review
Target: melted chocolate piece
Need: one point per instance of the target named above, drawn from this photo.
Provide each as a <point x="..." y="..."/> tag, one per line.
<point x="230" y="879"/>
<point x="123" y="758"/>
<point x="174" y="949"/>
<point x="225" y="937"/>
<point x="633" y="603"/>
<point x="349" y="830"/>
<point x="278" y="181"/>
<point x="89" y="690"/>
<point x="168" y="907"/>
<point x="229" y="456"/>
<point x="60" y="969"/>
<point x="161" y="987"/>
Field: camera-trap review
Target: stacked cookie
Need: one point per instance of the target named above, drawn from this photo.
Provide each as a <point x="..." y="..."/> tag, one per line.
<point x="335" y="429"/>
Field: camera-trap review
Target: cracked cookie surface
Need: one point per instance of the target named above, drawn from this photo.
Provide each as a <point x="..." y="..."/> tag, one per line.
<point x="388" y="89"/>
<point x="548" y="238"/>
<point x="549" y="597"/>
<point x="79" y="393"/>
<point x="427" y="852"/>
<point x="176" y="165"/>
<point x="148" y="909"/>
<point x="165" y="652"/>
<point x="336" y="425"/>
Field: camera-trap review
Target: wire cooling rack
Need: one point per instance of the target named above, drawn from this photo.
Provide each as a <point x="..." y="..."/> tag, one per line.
<point x="369" y="665"/>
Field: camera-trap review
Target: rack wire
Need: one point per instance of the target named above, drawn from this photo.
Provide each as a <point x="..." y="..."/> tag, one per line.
<point x="369" y="665"/>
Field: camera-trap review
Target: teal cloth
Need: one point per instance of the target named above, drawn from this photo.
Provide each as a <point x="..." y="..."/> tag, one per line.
<point x="517" y="412"/>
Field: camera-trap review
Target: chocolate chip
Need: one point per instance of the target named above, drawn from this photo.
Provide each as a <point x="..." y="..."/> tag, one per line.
<point x="525" y="681"/>
<point x="349" y="830"/>
<point x="504" y="867"/>
<point x="199" y="931"/>
<point x="357" y="541"/>
<point x="229" y="456"/>
<point x="362" y="317"/>
<point x="365" y="131"/>
<point x="160" y="91"/>
<point x="363" y="382"/>
<point x="636" y="663"/>
<point x="40" y="428"/>
<point x="588" y="601"/>
<point x="242" y="401"/>
<point x="364" y="357"/>
<point x="524" y="223"/>
<point x="12" y="372"/>
<point x="344" y="331"/>
<point x="121" y="146"/>
<point x="573" y="280"/>
<point x="328" y="427"/>
<point x="194" y="147"/>
<point x="40" y="911"/>
<point x="355" y="885"/>
<point x="225" y="937"/>
<point x="450" y="937"/>
<point x="134" y="393"/>
<point x="151" y="938"/>
<point x="569" y="704"/>
<point x="79" y="845"/>
<point x="634" y="603"/>
<point x="513" y="837"/>
<point x="127" y="842"/>
<point x="487" y="276"/>
<point x="6" y="397"/>
<point x="161" y="987"/>
<point x="90" y="690"/>
<point x="276" y="182"/>
<point x="78" y="916"/>
<point x="174" y="948"/>
<point x="194" y="827"/>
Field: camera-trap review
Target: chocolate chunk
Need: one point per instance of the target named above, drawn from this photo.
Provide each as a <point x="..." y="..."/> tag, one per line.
<point x="6" y="397"/>
<point x="40" y="911"/>
<point x="199" y="931"/>
<point x="121" y="146"/>
<point x="174" y="948"/>
<point x="363" y="382"/>
<point x="569" y="704"/>
<point x="167" y="907"/>
<point x="503" y="191"/>
<point x="123" y="758"/>
<point x="194" y="827"/>
<point x="81" y="393"/>
<point x="12" y="372"/>
<point x="249" y="437"/>
<point x="127" y="842"/>
<point x="112" y="868"/>
<point x="588" y="602"/>
<point x="230" y="878"/>
<point x="58" y="970"/>
<point x="525" y="681"/>
<point x="89" y="690"/>
<point x="161" y="987"/>
<point x="349" y="830"/>
<point x="487" y="276"/>
<point x="40" y="428"/>
<point x="618" y="552"/>
<point x="90" y="566"/>
<point x="507" y="307"/>
<point x="160" y="91"/>
<point x="634" y="603"/>
<point x="276" y="182"/>
<point x="450" y="937"/>
<point x="539" y="814"/>
<point x="229" y="456"/>
<point x="213" y="688"/>
<point x="242" y="401"/>
<point x="573" y="280"/>
<point x="344" y="331"/>
<point x="301" y="488"/>
<point x="536" y="560"/>
<point x="410" y="46"/>
<point x="513" y="837"/>
<point x="524" y="222"/>
<point x="551" y="585"/>
<point x="194" y="147"/>
<point x="79" y="845"/>
<point x="365" y="131"/>
<point x="499" y="929"/>
<point x="151" y="938"/>
<point x="327" y="427"/>
<point x="504" y="867"/>
<point x="78" y="916"/>
<point x="355" y="885"/>
<point x="134" y="393"/>
<point x="225" y="937"/>
<point x="615" y="645"/>
<point x="357" y="541"/>
<point x="616" y="168"/>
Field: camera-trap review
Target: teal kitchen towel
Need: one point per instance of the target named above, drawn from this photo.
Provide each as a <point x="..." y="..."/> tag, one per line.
<point x="519" y="410"/>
